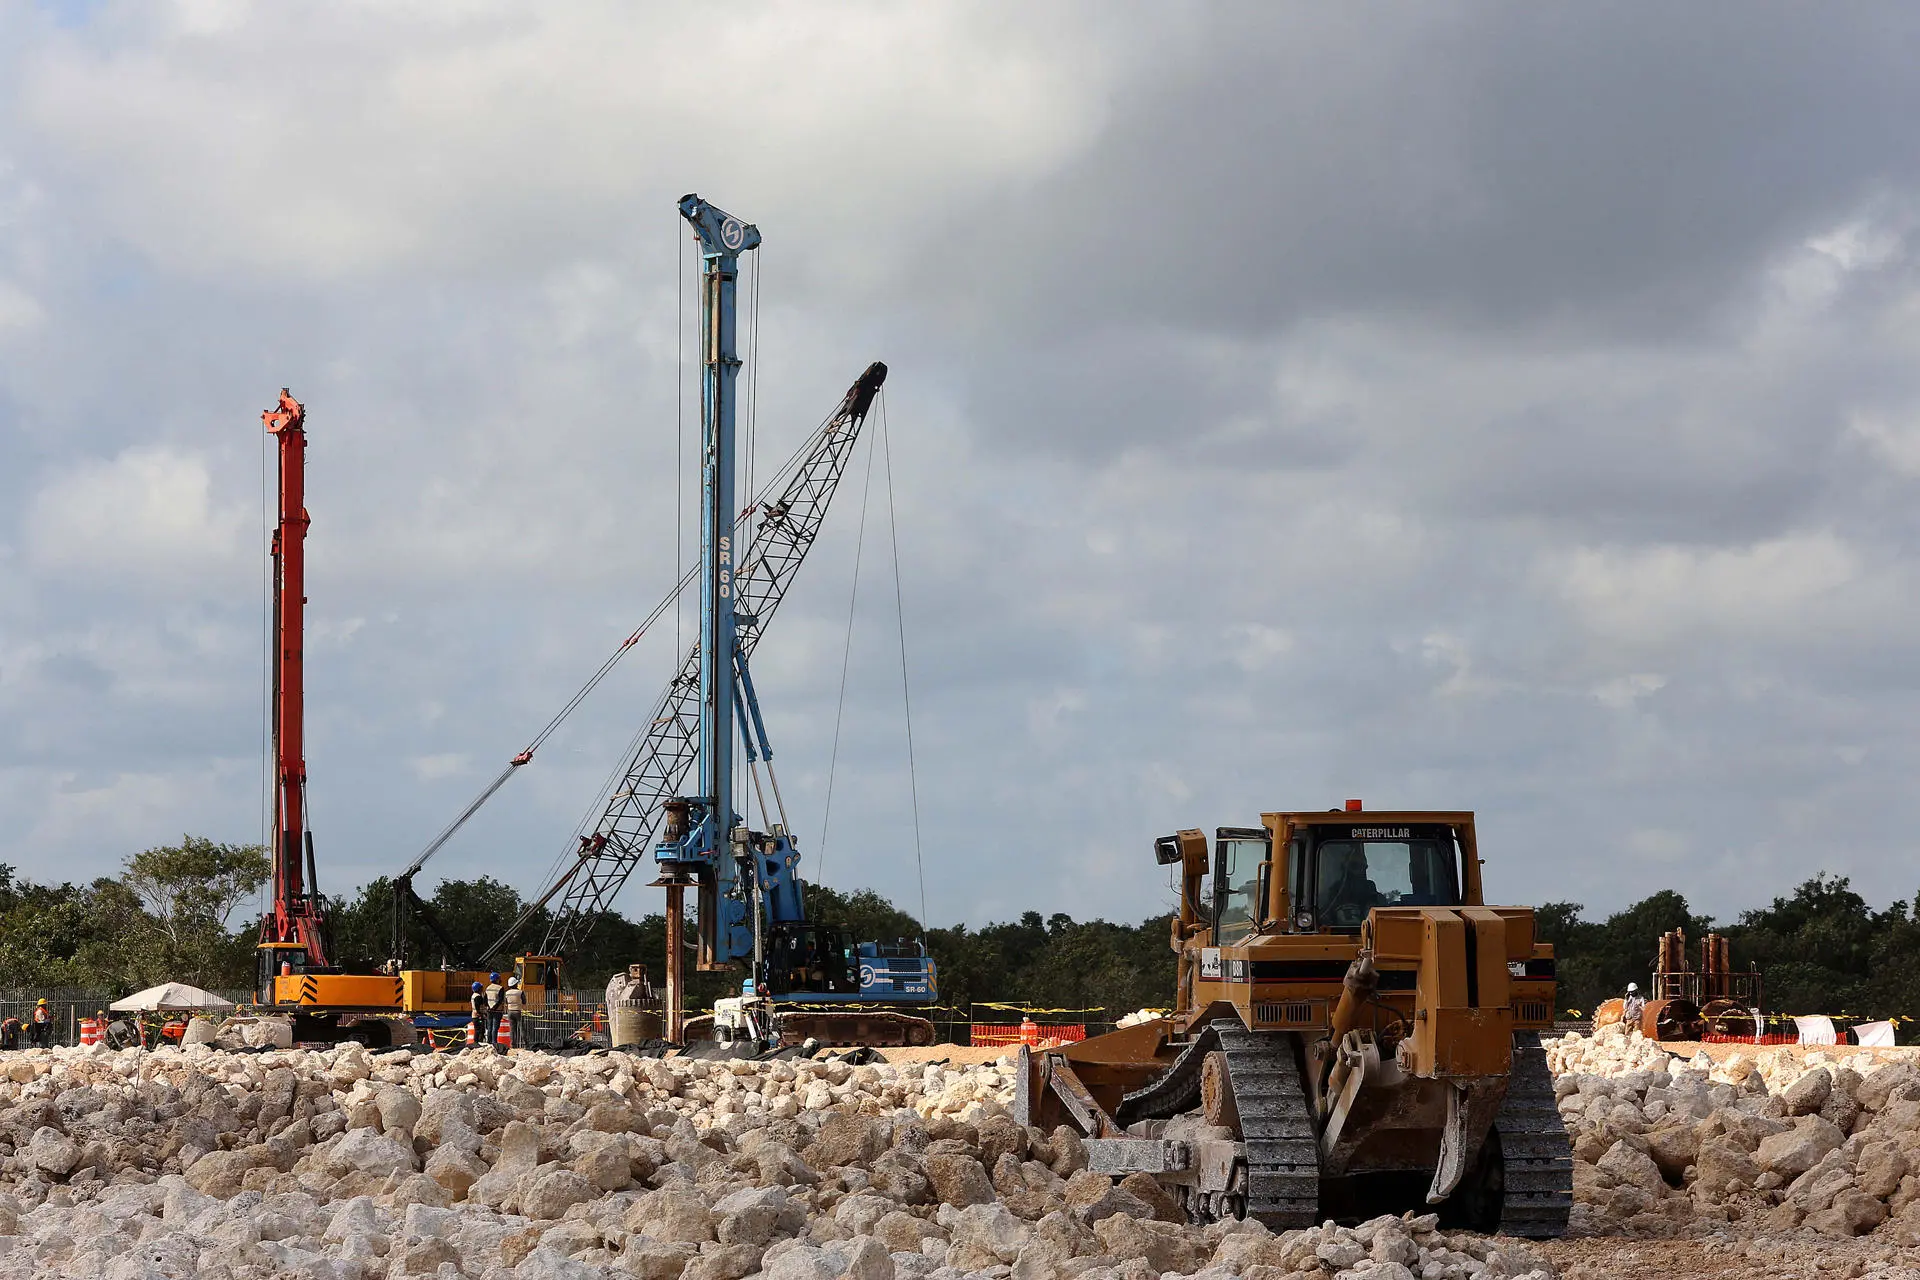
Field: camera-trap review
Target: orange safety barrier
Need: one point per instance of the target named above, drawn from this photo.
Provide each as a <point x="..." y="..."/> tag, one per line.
<point x="1775" y="1038"/>
<point x="1043" y="1035"/>
<point x="92" y="1031"/>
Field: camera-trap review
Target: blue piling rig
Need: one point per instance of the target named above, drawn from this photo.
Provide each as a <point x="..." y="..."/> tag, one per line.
<point x="749" y="898"/>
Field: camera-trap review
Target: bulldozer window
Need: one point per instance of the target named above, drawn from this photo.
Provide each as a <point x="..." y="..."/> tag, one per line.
<point x="1238" y="883"/>
<point x="1355" y="876"/>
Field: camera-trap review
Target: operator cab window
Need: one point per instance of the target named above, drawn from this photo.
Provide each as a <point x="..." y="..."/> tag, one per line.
<point x="1407" y="867"/>
<point x="1237" y="863"/>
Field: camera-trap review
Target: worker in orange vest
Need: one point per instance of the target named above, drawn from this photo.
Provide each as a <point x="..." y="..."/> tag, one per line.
<point x="40" y="1028"/>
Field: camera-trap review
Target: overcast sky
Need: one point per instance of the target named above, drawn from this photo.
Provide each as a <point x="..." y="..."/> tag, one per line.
<point x="1478" y="406"/>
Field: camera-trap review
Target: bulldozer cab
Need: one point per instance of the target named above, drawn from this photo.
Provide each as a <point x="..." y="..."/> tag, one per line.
<point x="1356" y="869"/>
<point x="1331" y="871"/>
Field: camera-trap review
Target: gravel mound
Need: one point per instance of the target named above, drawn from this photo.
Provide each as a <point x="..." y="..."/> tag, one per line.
<point x="348" y="1165"/>
<point x="1770" y="1144"/>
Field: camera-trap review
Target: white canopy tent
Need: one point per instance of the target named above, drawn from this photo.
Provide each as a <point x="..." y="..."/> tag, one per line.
<point x="172" y="997"/>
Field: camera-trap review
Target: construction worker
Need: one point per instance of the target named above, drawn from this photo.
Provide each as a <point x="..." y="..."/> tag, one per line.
<point x="1351" y="893"/>
<point x="496" y="1008"/>
<point x="478" y="1003"/>
<point x="516" y="1012"/>
<point x="1632" y="1008"/>
<point x="10" y="1033"/>
<point x="40" y="1025"/>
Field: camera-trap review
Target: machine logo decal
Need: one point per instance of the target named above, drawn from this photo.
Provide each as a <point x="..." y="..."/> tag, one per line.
<point x="1210" y="963"/>
<point x="1382" y="833"/>
<point x="732" y="234"/>
<point x="866" y="976"/>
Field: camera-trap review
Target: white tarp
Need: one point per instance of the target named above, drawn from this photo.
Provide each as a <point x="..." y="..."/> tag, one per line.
<point x="1815" y="1028"/>
<point x="1878" y="1034"/>
<point x="172" y="997"/>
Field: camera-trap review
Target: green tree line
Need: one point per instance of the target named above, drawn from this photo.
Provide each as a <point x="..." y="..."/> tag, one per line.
<point x="1820" y="949"/>
<point x="175" y="913"/>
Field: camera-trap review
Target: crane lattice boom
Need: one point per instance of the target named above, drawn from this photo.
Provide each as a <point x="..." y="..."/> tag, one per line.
<point x="786" y="529"/>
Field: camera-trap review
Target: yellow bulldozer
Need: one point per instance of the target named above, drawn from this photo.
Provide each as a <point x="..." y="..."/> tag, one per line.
<point x="1355" y="1033"/>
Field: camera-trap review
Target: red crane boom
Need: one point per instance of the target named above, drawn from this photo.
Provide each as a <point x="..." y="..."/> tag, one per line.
<point x="293" y="932"/>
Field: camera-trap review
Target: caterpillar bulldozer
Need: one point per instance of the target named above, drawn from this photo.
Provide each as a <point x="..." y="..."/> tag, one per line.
<point x="1355" y="1033"/>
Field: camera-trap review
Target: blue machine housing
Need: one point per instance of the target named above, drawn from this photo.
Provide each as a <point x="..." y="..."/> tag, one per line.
<point x="817" y="964"/>
<point x="884" y="978"/>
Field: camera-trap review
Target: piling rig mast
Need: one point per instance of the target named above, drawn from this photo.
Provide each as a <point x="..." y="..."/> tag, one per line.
<point x="743" y="880"/>
<point x="293" y="932"/>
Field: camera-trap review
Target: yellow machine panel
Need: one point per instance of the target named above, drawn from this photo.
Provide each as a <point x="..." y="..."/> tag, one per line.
<point x="339" y="991"/>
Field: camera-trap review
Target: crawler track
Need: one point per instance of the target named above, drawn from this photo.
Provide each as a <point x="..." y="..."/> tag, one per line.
<point x="1174" y="1090"/>
<point x="1534" y="1149"/>
<point x="1283" y="1153"/>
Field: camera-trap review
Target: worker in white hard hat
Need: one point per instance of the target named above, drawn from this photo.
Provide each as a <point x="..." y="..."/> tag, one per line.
<point x="1633" y="1007"/>
<point x="516" y="1012"/>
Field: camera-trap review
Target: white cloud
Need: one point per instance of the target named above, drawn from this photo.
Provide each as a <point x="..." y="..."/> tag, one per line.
<point x="19" y="310"/>
<point x="413" y="136"/>
<point x="1256" y="646"/>
<point x="432" y="768"/>
<point x="1660" y="593"/>
<point x="1894" y="440"/>
<point x="1654" y="844"/>
<point x="1623" y="691"/>
<point x="148" y="513"/>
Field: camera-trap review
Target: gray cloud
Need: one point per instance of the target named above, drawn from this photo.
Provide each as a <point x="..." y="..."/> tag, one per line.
<point x="1473" y="408"/>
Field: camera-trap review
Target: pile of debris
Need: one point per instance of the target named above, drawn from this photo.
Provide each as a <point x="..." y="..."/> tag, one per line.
<point x="347" y="1165"/>
<point x="1664" y="1147"/>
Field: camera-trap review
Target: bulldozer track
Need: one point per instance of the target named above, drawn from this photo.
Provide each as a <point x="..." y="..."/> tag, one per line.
<point x="1534" y="1149"/>
<point x="1176" y="1089"/>
<point x="1283" y="1151"/>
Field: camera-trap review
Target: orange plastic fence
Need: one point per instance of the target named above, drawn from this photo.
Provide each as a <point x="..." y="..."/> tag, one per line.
<point x="1775" y="1038"/>
<point x="1047" y="1036"/>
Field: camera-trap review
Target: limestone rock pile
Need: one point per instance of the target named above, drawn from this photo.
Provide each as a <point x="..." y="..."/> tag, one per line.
<point x="1671" y="1147"/>
<point x="346" y="1165"/>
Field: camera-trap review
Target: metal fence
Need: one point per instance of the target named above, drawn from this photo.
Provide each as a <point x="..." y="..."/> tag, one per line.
<point x="69" y="1005"/>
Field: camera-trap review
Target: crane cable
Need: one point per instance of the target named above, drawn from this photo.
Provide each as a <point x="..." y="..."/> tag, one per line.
<point x="683" y="576"/>
<point x="670" y="601"/>
<point x="881" y="442"/>
<point x="846" y="659"/>
<point x="906" y="699"/>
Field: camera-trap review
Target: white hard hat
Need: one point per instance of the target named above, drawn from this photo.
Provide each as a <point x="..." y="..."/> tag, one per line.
<point x="1633" y="986"/>
<point x="513" y="982"/>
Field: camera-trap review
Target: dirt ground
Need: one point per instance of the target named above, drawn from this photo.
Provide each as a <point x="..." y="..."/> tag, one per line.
<point x="1809" y="1257"/>
<point x="953" y="1054"/>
